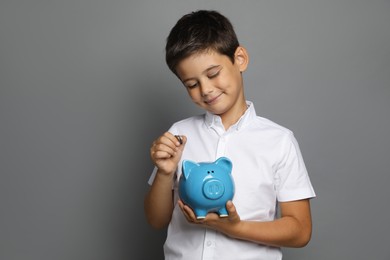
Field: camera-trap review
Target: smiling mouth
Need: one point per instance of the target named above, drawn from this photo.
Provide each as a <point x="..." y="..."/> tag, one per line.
<point x="212" y="100"/>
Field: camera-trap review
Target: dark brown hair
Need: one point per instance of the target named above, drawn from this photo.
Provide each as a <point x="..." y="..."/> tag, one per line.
<point x="200" y="31"/>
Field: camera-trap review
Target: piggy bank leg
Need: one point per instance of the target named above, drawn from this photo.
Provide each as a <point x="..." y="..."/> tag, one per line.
<point x="222" y="212"/>
<point x="200" y="213"/>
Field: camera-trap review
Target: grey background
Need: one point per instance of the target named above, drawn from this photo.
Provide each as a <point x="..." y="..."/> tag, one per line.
<point x="84" y="90"/>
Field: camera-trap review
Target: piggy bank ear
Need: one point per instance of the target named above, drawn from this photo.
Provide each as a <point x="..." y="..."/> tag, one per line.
<point x="187" y="167"/>
<point x="225" y="163"/>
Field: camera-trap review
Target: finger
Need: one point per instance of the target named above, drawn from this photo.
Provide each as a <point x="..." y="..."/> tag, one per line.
<point x="211" y="217"/>
<point x="181" y="142"/>
<point x="169" y="140"/>
<point x="161" y="152"/>
<point x="165" y="143"/>
<point x="175" y="142"/>
<point x="160" y="147"/>
<point x="162" y="155"/>
<point x="181" y="205"/>
<point x="189" y="214"/>
<point x="233" y="215"/>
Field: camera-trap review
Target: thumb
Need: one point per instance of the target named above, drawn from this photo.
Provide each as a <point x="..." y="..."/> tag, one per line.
<point x="182" y="140"/>
<point x="233" y="215"/>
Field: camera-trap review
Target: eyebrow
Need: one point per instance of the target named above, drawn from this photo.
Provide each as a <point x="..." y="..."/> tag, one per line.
<point x="204" y="72"/>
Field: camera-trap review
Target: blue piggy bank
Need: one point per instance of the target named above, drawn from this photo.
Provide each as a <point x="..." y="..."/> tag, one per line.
<point x="207" y="186"/>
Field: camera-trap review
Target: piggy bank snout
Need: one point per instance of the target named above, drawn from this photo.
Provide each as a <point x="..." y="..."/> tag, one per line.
<point x="213" y="189"/>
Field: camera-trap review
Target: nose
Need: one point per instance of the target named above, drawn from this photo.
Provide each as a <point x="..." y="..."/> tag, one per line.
<point x="206" y="88"/>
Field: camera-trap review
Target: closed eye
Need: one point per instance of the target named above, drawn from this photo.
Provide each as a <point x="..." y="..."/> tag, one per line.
<point x="214" y="72"/>
<point x="213" y="76"/>
<point x="191" y="86"/>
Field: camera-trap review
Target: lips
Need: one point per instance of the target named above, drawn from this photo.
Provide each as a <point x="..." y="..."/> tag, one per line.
<point x="212" y="100"/>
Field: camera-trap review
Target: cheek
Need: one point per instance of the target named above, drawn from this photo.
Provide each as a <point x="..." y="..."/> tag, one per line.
<point x="194" y="95"/>
<point x="234" y="82"/>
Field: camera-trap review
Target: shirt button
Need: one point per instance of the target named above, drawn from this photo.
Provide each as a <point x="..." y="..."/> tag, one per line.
<point x="209" y="243"/>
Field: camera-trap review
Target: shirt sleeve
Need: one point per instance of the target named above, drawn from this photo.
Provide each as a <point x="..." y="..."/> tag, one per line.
<point x="293" y="182"/>
<point x="152" y="176"/>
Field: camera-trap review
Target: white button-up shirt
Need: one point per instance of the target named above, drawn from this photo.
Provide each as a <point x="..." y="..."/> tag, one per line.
<point x="267" y="168"/>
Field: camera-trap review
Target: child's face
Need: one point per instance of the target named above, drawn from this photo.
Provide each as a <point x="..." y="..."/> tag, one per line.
<point x="213" y="82"/>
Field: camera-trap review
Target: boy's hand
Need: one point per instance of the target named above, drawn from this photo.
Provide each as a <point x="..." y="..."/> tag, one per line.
<point x="212" y="220"/>
<point x="166" y="152"/>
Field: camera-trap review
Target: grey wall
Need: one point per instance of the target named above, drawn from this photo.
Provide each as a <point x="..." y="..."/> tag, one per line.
<point x="84" y="90"/>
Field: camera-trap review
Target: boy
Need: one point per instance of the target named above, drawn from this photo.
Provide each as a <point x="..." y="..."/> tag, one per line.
<point x="202" y="50"/>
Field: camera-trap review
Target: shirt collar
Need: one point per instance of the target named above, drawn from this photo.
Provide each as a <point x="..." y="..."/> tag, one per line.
<point x="214" y="121"/>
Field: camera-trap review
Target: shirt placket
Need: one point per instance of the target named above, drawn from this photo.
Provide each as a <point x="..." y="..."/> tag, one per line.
<point x="209" y="243"/>
<point x="221" y="147"/>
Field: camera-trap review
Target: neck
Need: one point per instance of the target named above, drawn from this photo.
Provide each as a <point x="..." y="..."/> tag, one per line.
<point x="233" y="115"/>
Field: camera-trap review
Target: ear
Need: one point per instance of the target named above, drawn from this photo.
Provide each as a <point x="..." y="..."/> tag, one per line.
<point x="241" y="58"/>
<point x="187" y="166"/>
<point x="225" y="163"/>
